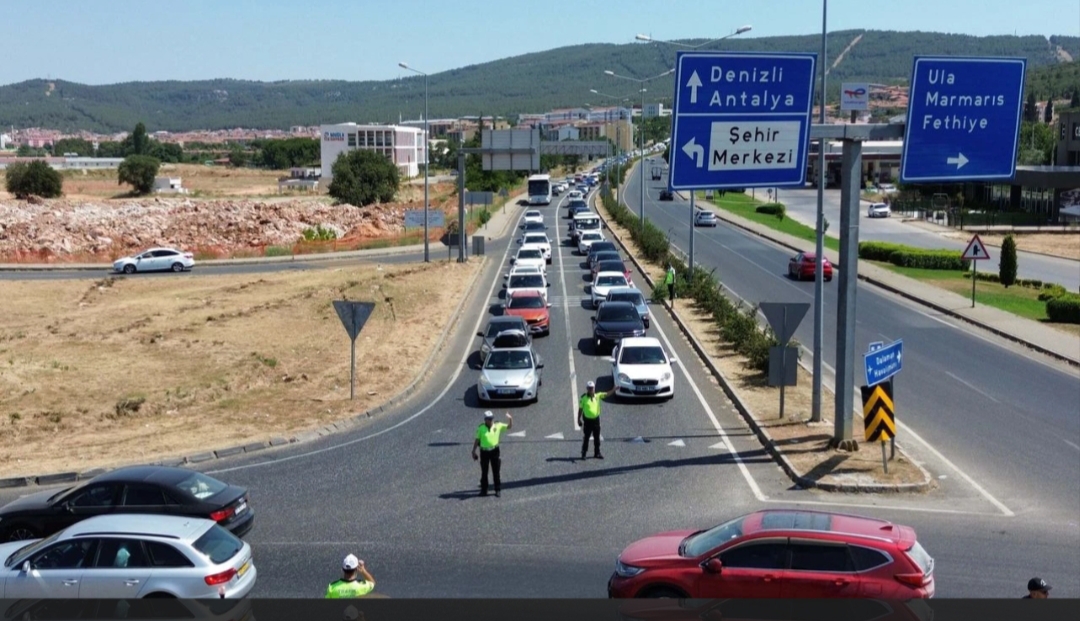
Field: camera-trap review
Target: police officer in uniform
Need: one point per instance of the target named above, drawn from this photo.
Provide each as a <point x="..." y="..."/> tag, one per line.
<point x="487" y="440"/>
<point x="1037" y="589"/>
<point x="669" y="280"/>
<point x="588" y="416"/>
<point x="350" y="584"/>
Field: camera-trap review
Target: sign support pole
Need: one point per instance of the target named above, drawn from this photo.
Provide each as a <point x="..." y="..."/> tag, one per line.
<point x="462" y="223"/>
<point x="783" y="373"/>
<point x="892" y="440"/>
<point x="845" y="322"/>
<point x="352" y="370"/>
<point x="691" y="267"/>
<point x="884" y="462"/>
<point x="974" y="277"/>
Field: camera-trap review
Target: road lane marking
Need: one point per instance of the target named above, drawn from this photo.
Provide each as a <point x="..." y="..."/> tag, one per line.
<point x="677" y="443"/>
<point x="566" y="322"/>
<point x="517" y="434"/>
<point x="1071" y="444"/>
<point x="969" y="385"/>
<point x="555" y="436"/>
<point x="462" y="364"/>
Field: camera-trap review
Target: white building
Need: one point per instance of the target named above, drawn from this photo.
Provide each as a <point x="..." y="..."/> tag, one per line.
<point x="656" y="109"/>
<point x="169" y="185"/>
<point x="608" y="115"/>
<point x="404" y="146"/>
<point x="4" y="140"/>
<point x="562" y="132"/>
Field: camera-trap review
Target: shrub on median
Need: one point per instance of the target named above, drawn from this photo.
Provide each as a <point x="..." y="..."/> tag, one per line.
<point x="1051" y="292"/>
<point x="772" y="209"/>
<point x="1064" y="309"/>
<point x="908" y="256"/>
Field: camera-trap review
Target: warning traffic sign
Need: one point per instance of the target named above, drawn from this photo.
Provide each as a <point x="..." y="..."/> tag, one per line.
<point x="975" y="250"/>
<point x="879" y="415"/>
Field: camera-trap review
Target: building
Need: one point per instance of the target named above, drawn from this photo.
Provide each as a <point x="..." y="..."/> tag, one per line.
<point x="609" y="114"/>
<point x="404" y="146"/>
<point x="656" y="109"/>
<point x="562" y="132"/>
<point x="4" y="140"/>
<point x="437" y="128"/>
<point x="880" y="161"/>
<point x="1068" y="139"/>
<point x="169" y="185"/>
<point x="68" y="163"/>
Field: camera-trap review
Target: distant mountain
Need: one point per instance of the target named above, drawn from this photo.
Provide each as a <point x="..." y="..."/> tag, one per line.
<point x="530" y="83"/>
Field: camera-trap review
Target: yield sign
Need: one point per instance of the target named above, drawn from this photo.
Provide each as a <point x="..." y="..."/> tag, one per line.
<point x="353" y="315"/>
<point x="975" y="250"/>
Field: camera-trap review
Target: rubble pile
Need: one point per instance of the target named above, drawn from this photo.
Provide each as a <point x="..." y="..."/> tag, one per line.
<point x="63" y="230"/>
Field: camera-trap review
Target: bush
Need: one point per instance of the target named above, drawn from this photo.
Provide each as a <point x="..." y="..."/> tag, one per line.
<point x="1051" y="292"/>
<point x="138" y="171"/>
<point x="1007" y="265"/>
<point x="907" y="256"/>
<point x="772" y="209"/>
<point x="484" y="216"/>
<point x="35" y="178"/>
<point x="363" y="177"/>
<point x="1064" y="308"/>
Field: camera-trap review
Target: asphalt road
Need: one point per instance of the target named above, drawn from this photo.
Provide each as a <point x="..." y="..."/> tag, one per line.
<point x="401" y="492"/>
<point x="802" y="206"/>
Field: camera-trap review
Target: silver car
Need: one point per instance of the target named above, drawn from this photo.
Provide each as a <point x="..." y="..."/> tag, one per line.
<point x="130" y="556"/>
<point x="497" y="326"/>
<point x="156" y="260"/>
<point x="635" y="297"/>
<point x="510" y="373"/>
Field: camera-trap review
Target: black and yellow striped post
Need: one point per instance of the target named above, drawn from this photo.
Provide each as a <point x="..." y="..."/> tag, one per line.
<point x="879" y="416"/>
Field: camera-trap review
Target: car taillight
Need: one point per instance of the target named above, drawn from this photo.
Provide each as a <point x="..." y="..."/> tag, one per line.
<point x="221" y="578"/>
<point x="913" y="580"/>
<point x="224" y="514"/>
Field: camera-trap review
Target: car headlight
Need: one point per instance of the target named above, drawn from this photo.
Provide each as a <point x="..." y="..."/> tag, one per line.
<point x="624" y="378"/>
<point x="666" y="376"/>
<point x="528" y="379"/>
<point x="627" y="571"/>
<point x="485" y="382"/>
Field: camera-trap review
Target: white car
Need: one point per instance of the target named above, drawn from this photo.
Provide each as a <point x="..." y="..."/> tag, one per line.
<point x="533" y="215"/>
<point x="156" y="260"/>
<point x="887" y="188"/>
<point x="130" y="556"/>
<point x="530" y="254"/>
<point x="604" y="282"/>
<point x="641" y="368"/>
<point x="538" y="239"/>
<point x="586" y="239"/>
<point x="527" y="282"/>
<point x="878" y="210"/>
<point x="575" y="195"/>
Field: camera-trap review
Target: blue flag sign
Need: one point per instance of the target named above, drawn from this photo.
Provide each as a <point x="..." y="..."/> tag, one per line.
<point x="883" y="362"/>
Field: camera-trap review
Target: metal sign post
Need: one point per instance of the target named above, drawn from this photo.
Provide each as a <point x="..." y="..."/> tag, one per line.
<point x="975" y="252"/>
<point x="353" y="316"/>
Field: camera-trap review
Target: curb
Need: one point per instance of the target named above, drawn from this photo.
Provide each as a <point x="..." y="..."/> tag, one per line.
<point x="937" y="307"/>
<point x="278" y="441"/>
<point x="759" y="431"/>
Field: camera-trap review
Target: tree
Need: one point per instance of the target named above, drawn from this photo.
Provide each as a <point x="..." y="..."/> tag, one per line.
<point x="1007" y="266"/>
<point x="1048" y="112"/>
<point x="1075" y="103"/>
<point x="362" y="177"/>
<point x="34" y="178"/>
<point x="139" y="172"/>
<point x="237" y="157"/>
<point x="139" y="141"/>
<point x="84" y="148"/>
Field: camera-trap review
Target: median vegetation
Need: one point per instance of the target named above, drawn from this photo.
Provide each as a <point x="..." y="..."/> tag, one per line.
<point x="908" y="256"/>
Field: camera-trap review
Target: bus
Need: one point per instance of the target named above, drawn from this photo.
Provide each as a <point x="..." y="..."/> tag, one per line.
<point x="540" y="190"/>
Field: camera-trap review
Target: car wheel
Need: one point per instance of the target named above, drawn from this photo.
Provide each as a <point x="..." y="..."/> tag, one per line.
<point x="20" y="532"/>
<point x="177" y="267"/>
<point x="129" y="269"/>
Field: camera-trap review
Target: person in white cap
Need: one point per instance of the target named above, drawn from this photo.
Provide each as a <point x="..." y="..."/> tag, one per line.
<point x="487" y="440"/>
<point x="350" y="585"/>
<point x="588" y="417"/>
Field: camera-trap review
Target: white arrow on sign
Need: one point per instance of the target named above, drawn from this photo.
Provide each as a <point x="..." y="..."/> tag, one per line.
<point x="695" y="151"/>
<point x="959" y="161"/>
<point x="694" y="82"/>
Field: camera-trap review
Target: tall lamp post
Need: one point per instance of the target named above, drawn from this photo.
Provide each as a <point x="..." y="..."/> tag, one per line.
<point x="641" y="134"/>
<point x="819" y="245"/>
<point x="641" y="37"/>
<point x="427" y="158"/>
<point x="617" y="133"/>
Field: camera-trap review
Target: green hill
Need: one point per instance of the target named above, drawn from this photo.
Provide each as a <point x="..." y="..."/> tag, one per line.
<point x="529" y="83"/>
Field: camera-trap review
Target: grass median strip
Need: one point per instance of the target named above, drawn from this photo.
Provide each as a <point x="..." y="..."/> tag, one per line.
<point x="744" y="206"/>
<point x="133" y="369"/>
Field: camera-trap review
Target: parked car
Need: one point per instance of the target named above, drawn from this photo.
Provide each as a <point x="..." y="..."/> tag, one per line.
<point x="779" y="554"/>
<point x="666" y="195"/>
<point x="635" y="297"/>
<point x="129" y="557"/>
<point x="134" y="489"/>
<point x="615" y="321"/>
<point x="156" y="260"/>
<point x="496" y="326"/>
<point x="878" y="210"/>
<point x="641" y="368"/>
<point x="705" y="218"/>
<point x="511" y="372"/>
<point x="802" y="266"/>
<point x="532" y="307"/>
<point x="586" y="239"/>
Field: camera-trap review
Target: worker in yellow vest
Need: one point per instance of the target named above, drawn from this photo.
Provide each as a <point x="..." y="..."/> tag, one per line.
<point x="351" y="585"/>
<point x="588" y="416"/>
<point x="487" y="441"/>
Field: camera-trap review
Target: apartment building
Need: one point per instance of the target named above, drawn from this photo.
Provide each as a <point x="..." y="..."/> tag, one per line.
<point x="406" y="147"/>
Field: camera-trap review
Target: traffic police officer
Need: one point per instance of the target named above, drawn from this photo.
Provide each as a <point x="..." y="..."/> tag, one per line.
<point x="669" y="280"/>
<point x="588" y="416"/>
<point x="487" y="440"/>
<point x="350" y="585"/>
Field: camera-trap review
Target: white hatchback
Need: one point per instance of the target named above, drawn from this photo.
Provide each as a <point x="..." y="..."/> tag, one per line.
<point x="878" y="210"/>
<point x="604" y="282"/>
<point x="533" y="215"/>
<point x="641" y="368"/>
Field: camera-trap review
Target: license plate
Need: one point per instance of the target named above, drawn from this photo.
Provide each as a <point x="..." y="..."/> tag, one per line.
<point x="243" y="568"/>
<point x="506" y="391"/>
<point x="646" y="389"/>
<point x="240" y="508"/>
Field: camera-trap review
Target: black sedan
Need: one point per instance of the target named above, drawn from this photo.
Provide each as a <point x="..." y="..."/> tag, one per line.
<point x="666" y="195"/>
<point x="615" y="321"/>
<point x="136" y="489"/>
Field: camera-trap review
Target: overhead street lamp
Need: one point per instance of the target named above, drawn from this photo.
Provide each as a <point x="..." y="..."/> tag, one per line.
<point x="641" y="37"/>
<point x="641" y="134"/>
<point x="427" y="158"/>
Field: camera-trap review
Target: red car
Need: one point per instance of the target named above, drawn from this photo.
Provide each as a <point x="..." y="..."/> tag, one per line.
<point x="801" y="266"/>
<point x="532" y="307"/>
<point x="779" y="553"/>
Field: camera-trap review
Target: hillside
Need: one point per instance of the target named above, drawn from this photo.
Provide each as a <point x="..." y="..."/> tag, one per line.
<point x="528" y="83"/>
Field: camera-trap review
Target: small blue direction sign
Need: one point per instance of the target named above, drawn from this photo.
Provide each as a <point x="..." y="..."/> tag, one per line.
<point x="742" y="120"/>
<point x="883" y="362"/>
<point x="963" y="119"/>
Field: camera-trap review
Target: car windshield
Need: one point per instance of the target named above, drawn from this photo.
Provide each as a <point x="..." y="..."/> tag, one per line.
<point x="610" y="281"/>
<point x="29" y="549"/>
<point x="701" y="543"/>
<point x="529" y="254"/>
<point x="200" y="486"/>
<point x="612" y="266"/>
<point x="496" y="327"/>
<point x="533" y="214"/>
<point x="590" y="236"/>
<point x="509" y="359"/>
<point x="526" y="301"/>
<point x="536" y="239"/>
<point x="617" y="313"/>
<point x="633" y="298"/>
<point x="642" y="355"/>
<point x="526" y="281"/>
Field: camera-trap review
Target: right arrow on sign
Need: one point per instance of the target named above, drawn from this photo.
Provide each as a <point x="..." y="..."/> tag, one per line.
<point x="959" y="161"/>
<point x="693" y="83"/>
<point x="695" y="151"/>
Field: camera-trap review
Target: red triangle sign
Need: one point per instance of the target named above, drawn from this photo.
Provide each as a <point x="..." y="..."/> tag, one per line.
<point x="975" y="251"/>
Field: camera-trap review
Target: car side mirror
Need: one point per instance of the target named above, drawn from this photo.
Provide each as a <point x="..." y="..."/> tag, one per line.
<point x="26" y="567"/>
<point x="713" y="566"/>
<point x="512" y="259"/>
<point x="480" y="334"/>
<point x="549" y="304"/>
<point x="593" y="319"/>
<point x="540" y="365"/>
<point x="547" y="284"/>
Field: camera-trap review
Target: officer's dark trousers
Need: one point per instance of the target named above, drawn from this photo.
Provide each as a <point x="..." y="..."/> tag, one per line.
<point x="591" y="428"/>
<point x="490" y="459"/>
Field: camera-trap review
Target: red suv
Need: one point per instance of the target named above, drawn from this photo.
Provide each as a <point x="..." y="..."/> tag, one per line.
<point x="781" y="553"/>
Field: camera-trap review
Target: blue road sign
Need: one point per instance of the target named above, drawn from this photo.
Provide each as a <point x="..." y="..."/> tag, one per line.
<point x="884" y="362"/>
<point x="963" y="119"/>
<point x="742" y="120"/>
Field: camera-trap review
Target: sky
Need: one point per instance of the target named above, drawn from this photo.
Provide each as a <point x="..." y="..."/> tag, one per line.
<point x="111" y="41"/>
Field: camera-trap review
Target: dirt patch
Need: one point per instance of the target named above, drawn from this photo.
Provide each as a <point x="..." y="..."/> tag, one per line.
<point x="123" y="370"/>
<point x="1065" y="245"/>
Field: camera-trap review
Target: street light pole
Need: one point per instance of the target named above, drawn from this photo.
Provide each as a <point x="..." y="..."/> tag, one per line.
<point x="427" y="159"/>
<point x="819" y="246"/>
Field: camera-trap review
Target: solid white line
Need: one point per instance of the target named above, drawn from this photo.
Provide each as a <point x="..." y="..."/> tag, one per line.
<point x="1071" y="444"/>
<point x="566" y="319"/>
<point x="450" y="384"/>
<point x="969" y="385"/>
